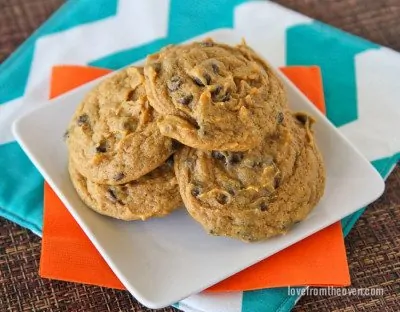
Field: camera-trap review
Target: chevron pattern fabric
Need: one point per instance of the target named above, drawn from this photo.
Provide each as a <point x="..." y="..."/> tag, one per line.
<point x="360" y="84"/>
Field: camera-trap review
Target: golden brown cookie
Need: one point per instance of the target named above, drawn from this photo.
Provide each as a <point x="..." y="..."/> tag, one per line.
<point x="154" y="195"/>
<point x="213" y="96"/>
<point x="256" y="194"/>
<point x="113" y="137"/>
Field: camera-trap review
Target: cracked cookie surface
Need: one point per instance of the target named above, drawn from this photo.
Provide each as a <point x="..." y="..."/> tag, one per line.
<point x="155" y="194"/>
<point x="113" y="137"/>
<point x="213" y="96"/>
<point x="259" y="193"/>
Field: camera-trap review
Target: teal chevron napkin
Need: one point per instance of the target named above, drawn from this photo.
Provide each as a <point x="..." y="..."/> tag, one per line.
<point x="361" y="88"/>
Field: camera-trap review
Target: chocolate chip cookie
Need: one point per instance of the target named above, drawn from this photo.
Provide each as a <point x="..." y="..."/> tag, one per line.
<point x="213" y="96"/>
<point x="113" y="137"/>
<point x="259" y="193"/>
<point x="154" y="195"/>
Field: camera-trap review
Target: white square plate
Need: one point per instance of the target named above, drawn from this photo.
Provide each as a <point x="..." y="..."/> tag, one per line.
<point x="165" y="260"/>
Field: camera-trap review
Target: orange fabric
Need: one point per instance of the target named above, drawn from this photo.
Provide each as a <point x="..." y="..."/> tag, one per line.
<point x="318" y="260"/>
<point x="67" y="254"/>
<point x="68" y="77"/>
<point x="309" y="80"/>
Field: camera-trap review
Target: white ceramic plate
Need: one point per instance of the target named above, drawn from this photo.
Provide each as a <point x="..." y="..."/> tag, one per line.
<point x="165" y="260"/>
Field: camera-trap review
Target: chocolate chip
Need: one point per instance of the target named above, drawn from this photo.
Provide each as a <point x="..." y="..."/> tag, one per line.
<point x="217" y="90"/>
<point x="82" y="119"/>
<point x="231" y="191"/>
<point x="230" y="158"/>
<point x="222" y="198"/>
<point x="195" y="191"/>
<point x="303" y="118"/>
<point x="263" y="206"/>
<point x="215" y="93"/>
<point x="226" y="97"/>
<point x="200" y="82"/>
<point x="197" y="126"/>
<point x="280" y="117"/>
<point x="215" y="68"/>
<point x="235" y="158"/>
<point x="186" y="99"/>
<point x="101" y="148"/>
<point x="130" y="95"/>
<point x="156" y="67"/>
<point x="112" y="196"/>
<point x="277" y="181"/>
<point x="176" y="145"/>
<point x="174" y="83"/>
<point x="218" y="155"/>
<point x="207" y="77"/>
<point x="119" y="176"/>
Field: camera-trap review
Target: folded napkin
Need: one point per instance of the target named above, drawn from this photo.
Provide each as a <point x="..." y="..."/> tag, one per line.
<point x="360" y="86"/>
<point x="67" y="253"/>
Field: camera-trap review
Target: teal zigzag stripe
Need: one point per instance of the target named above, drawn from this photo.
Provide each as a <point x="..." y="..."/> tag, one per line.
<point x="181" y="20"/>
<point x="71" y="14"/>
<point x="273" y="299"/>
<point x="21" y="188"/>
<point x="334" y="51"/>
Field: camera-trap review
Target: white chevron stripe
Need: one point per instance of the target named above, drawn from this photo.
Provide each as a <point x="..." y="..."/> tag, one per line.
<point x="264" y="26"/>
<point x="136" y="22"/>
<point x="376" y="132"/>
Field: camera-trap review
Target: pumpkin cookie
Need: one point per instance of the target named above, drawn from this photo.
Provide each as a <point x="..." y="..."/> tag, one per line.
<point x="213" y="96"/>
<point x="154" y="195"/>
<point x="256" y="194"/>
<point x="113" y="137"/>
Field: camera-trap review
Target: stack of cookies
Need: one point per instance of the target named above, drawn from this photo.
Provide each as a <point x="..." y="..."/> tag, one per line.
<point x="203" y="123"/>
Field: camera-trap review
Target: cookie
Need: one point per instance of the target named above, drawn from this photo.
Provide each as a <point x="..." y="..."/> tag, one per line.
<point x="113" y="136"/>
<point x="154" y="195"/>
<point x="256" y="194"/>
<point x="213" y="96"/>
